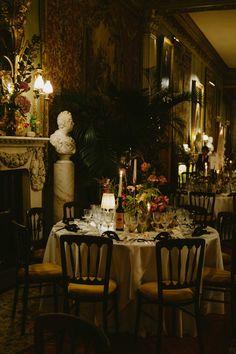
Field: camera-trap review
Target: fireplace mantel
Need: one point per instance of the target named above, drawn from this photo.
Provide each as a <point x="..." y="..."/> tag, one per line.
<point x="22" y="141"/>
<point x="30" y="154"/>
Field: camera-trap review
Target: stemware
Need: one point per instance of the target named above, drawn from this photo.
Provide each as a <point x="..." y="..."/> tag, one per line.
<point x="108" y="218"/>
<point x="87" y="215"/>
<point x="97" y="215"/>
<point x="131" y="222"/>
<point x="142" y="222"/>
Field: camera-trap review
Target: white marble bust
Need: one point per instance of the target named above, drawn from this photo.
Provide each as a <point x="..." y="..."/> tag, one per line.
<point x="60" y="139"/>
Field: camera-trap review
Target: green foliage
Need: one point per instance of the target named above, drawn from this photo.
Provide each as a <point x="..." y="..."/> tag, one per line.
<point x="107" y="125"/>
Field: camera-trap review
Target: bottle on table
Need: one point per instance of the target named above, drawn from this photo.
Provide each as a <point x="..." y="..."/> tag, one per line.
<point x="120" y="215"/>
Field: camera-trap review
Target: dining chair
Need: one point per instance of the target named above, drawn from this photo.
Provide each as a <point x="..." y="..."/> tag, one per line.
<point x="7" y="258"/>
<point x="31" y="275"/>
<point x="183" y="179"/>
<point x="225" y="224"/>
<point x="179" y="265"/>
<point x="223" y="282"/>
<point x="70" y="210"/>
<point x="86" y="263"/>
<point x="36" y="227"/>
<point x="206" y="202"/>
<point x="62" y="333"/>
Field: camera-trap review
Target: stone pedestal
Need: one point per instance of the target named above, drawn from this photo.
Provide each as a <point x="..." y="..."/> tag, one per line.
<point x="63" y="185"/>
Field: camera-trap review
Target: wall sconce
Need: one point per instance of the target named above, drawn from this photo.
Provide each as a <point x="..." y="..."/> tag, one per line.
<point x="38" y="84"/>
<point x="42" y="90"/>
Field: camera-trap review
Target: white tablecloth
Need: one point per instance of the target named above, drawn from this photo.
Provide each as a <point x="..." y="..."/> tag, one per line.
<point x="133" y="262"/>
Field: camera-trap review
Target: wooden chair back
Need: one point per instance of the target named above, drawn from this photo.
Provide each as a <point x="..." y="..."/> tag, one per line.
<point x="69" y="211"/>
<point x="204" y="200"/>
<point x="179" y="264"/>
<point x="22" y="243"/>
<point x="62" y="333"/>
<point x="86" y="259"/>
<point x="35" y="224"/>
<point x="226" y="225"/>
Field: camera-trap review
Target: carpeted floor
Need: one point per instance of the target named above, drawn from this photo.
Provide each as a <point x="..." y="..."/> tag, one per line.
<point x="216" y="335"/>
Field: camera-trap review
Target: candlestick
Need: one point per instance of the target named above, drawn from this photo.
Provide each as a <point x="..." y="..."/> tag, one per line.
<point x="120" y="184"/>
<point x="135" y="172"/>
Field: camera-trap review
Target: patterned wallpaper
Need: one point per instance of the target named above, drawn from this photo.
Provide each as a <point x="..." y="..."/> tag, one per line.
<point x="90" y="45"/>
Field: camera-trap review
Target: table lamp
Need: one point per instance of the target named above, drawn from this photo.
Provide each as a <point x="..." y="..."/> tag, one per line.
<point x="108" y="201"/>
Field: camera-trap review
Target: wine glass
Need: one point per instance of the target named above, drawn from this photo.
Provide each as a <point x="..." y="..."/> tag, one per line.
<point x="142" y="222"/>
<point x="108" y="216"/>
<point x="131" y="222"/>
<point x="156" y="215"/>
<point x="87" y="215"/>
<point x="97" y="216"/>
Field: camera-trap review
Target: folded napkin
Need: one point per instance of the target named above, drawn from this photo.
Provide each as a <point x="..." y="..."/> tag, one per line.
<point x="111" y="234"/>
<point x="199" y="231"/>
<point x="72" y="227"/>
<point x="164" y="235"/>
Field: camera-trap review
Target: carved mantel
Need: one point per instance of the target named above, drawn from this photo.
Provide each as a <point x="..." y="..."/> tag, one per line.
<point x="29" y="154"/>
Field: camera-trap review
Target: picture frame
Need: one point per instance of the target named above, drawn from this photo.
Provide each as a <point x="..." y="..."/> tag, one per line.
<point x="197" y="115"/>
<point x="166" y="64"/>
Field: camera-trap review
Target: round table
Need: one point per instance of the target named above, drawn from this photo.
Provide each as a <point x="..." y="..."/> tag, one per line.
<point x="133" y="262"/>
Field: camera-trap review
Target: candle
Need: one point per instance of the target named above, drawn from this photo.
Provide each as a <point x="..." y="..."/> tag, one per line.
<point x="135" y="172"/>
<point x="205" y="169"/>
<point x="120" y="184"/>
<point x="148" y="207"/>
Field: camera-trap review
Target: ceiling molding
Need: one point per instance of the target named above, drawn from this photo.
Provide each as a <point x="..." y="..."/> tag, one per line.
<point x="181" y="6"/>
<point x="186" y="30"/>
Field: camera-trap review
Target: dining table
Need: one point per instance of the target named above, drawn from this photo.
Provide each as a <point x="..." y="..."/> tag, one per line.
<point x="223" y="201"/>
<point x="134" y="262"/>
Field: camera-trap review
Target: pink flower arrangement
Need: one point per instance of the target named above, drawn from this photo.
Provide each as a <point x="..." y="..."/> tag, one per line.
<point x="23" y="104"/>
<point x="147" y="194"/>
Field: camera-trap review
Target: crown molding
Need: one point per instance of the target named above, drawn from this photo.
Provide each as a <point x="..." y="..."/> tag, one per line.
<point x="183" y="27"/>
<point x="181" y="6"/>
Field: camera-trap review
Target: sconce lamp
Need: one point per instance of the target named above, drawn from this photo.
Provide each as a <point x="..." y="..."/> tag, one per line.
<point x="108" y="201"/>
<point x="39" y="83"/>
<point x="42" y="90"/>
<point x="47" y="88"/>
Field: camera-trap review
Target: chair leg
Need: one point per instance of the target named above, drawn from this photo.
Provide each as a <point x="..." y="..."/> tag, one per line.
<point x="25" y="307"/>
<point x="77" y="307"/>
<point x="199" y="328"/>
<point x="55" y="297"/>
<point x="138" y="314"/>
<point x="174" y="320"/>
<point x="15" y="300"/>
<point x="116" y="311"/>
<point x="159" y="329"/>
<point x="104" y="315"/>
<point x="233" y="312"/>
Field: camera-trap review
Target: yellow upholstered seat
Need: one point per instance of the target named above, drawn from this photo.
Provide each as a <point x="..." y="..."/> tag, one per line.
<point x="216" y="276"/>
<point x="178" y="295"/>
<point x="96" y="290"/>
<point x="31" y="275"/>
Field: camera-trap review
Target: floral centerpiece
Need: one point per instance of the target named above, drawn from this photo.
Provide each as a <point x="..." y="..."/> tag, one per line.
<point x="146" y="197"/>
<point x="14" y="105"/>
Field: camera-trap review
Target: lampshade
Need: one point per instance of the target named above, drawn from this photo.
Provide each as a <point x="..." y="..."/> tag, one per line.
<point x="39" y="83"/>
<point x="48" y="88"/>
<point x="108" y="201"/>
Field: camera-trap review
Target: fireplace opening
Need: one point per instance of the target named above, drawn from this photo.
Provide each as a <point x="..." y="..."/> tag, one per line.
<point x="15" y="193"/>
